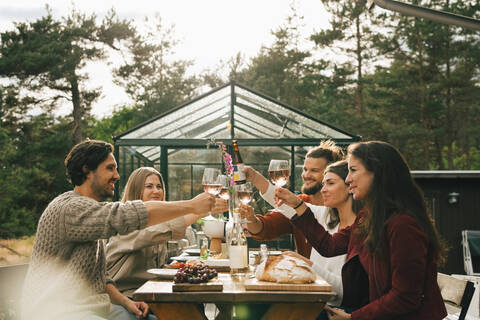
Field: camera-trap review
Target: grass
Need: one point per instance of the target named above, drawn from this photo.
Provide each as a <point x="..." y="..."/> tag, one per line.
<point x="20" y="250"/>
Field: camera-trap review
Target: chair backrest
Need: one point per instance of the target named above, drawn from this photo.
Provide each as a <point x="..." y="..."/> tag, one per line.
<point x="456" y="293"/>
<point x="471" y="252"/>
<point x="11" y="283"/>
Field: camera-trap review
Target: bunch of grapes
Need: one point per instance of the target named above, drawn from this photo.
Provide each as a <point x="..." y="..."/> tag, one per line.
<point x="194" y="274"/>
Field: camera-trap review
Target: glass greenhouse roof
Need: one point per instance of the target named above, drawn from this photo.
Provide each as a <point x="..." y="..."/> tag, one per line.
<point x="232" y="111"/>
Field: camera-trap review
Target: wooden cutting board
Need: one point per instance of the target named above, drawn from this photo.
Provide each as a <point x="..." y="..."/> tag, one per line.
<point x="212" y="285"/>
<point x="319" y="285"/>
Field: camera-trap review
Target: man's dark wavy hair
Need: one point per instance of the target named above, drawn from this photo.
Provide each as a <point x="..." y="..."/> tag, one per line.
<point x="85" y="157"/>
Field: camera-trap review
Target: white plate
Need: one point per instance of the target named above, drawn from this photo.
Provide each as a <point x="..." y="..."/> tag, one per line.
<point x="192" y="252"/>
<point x="182" y="258"/>
<point x="217" y="262"/>
<point x="274" y="253"/>
<point x="163" y="273"/>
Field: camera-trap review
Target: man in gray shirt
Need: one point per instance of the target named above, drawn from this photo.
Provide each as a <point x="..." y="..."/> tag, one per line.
<point x="66" y="276"/>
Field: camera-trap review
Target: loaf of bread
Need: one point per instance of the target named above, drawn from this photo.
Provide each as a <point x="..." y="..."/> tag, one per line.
<point x="285" y="269"/>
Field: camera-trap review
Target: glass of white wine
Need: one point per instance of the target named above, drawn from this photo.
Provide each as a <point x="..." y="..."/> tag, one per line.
<point x="225" y="182"/>
<point x="210" y="182"/>
<point x="243" y="193"/>
<point x="279" y="172"/>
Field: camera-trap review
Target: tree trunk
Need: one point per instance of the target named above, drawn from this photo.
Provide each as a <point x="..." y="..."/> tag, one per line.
<point x="359" y="69"/>
<point x="465" y="140"/>
<point x="77" y="111"/>
<point x="450" y="123"/>
<point x="438" y="149"/>
<point x="424" y="115"/>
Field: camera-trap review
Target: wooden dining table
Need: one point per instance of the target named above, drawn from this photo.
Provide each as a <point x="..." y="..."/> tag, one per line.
<point x="165" y="303"/>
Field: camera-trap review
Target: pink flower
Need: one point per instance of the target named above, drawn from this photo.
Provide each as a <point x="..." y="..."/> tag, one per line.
<point x="227" y="160"/>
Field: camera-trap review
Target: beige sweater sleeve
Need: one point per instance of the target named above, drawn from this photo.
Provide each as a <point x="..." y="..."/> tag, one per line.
<point x="85" y="219"/>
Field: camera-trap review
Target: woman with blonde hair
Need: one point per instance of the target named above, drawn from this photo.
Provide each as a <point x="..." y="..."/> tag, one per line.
<point x="130" y="255"/>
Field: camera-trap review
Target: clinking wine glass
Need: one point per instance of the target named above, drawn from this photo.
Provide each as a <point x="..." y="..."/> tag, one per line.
<point x="279" y="172"/>
<point x="225" y="182"/>
<point x="243" y="193"/>
<point x="210" y="182"/>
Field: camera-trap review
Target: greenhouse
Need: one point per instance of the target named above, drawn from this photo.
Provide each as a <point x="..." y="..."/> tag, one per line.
<point x="183" y="141"/>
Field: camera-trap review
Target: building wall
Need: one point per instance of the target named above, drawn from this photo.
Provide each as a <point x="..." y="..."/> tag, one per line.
<point x="451" y="219"/>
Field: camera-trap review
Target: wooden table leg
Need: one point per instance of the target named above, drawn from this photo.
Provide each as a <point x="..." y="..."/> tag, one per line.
<point x="293" y="311"/>
<point x="177" y="311"/>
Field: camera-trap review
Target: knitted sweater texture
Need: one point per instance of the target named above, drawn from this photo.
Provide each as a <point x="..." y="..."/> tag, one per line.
<point x="67" y="269"/>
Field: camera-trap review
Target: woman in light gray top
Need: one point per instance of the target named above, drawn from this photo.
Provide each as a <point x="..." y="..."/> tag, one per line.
<point x="130" y="256"/>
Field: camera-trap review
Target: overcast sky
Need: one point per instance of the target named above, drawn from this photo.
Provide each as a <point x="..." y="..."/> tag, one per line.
<point x="208" y="30"/>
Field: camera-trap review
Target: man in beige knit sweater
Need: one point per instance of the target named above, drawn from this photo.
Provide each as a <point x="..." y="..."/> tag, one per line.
<point x="66" y="276"/>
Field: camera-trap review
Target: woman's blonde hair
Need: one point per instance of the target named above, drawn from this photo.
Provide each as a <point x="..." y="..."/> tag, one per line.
<point x="136" y="183"/>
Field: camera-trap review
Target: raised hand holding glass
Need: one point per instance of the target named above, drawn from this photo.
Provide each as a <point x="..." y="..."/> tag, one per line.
<point x="243" y="194"/>
<point x="279" y="172"/>
<point x="210" y="182"/>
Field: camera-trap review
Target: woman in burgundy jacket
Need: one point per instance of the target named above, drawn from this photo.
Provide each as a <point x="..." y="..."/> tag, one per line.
<point x="392" y="248"/>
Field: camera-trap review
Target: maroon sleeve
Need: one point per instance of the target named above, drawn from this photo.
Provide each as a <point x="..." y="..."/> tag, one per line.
<point x="275" y="224"/>
<point x="408" y="246"/>
<point x="326" y="244"/>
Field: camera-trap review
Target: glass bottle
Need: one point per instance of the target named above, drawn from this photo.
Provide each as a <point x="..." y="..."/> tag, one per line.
<point x="237" y="162"/>
<point x="263" y="252"/>
<point x="229" y="225"/>
<point x="204" y="248"/>
<point x="238" y="250"/>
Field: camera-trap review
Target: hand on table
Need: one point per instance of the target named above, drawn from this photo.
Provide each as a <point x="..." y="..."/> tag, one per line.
<point x="138" y="308"/>
<point x="337" y="314"/>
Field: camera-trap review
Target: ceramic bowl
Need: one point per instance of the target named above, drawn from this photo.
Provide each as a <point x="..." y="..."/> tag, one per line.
<point x="213" y="228"/>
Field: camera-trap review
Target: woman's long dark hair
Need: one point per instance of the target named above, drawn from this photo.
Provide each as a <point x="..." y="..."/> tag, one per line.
<point x="340" y="168"/>
<point x="393" y="190"/>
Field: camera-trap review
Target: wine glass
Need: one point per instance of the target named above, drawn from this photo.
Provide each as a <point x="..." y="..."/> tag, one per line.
<point x="279" y="172"/>
<point x="225" y="182"/>
<point x="243" y="194"/>
<point x="225" y="191"/>
<point x="210" y="182"/>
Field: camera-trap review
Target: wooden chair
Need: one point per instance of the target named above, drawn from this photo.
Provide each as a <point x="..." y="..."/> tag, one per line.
<point x="457" y="295"/>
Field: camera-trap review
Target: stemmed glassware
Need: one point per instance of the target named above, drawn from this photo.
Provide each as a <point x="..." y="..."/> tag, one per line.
<point x="279" y="172"/>
<point x="211" y="183"/>
<point x="243" y="194"/>
<point x="225" y="191"/>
